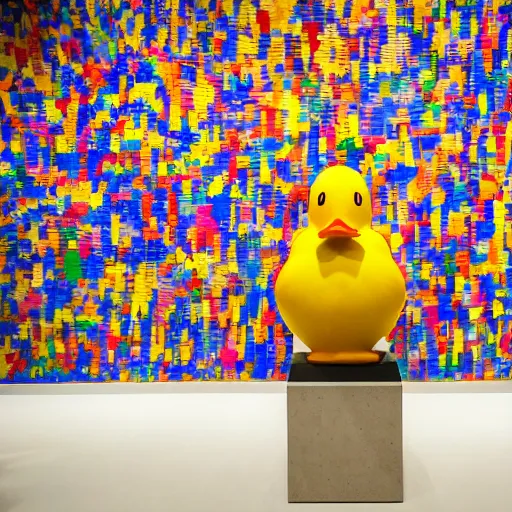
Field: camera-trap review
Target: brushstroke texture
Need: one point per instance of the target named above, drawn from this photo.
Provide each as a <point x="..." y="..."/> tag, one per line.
<point x="153" y="158"/>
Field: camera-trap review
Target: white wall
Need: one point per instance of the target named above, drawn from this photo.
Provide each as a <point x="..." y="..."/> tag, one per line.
<point x="187" y="452"/>
<point x="141" y="452"/>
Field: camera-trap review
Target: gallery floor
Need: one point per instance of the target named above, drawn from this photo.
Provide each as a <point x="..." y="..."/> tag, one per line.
<point x="170" y="448"/>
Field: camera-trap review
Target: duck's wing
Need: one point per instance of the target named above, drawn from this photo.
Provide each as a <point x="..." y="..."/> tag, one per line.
<point x="379" y="242"/>
<point x="296" y="235"/>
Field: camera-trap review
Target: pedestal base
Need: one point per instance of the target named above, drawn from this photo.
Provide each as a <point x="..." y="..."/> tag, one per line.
<point x="344" y="433"/>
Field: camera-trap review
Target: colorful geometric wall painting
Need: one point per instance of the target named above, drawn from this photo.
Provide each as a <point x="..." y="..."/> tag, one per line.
<point x="154" y="158"/>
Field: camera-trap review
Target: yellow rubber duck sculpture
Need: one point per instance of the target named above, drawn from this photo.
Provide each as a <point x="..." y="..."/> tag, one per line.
<point x="340" y="291"/>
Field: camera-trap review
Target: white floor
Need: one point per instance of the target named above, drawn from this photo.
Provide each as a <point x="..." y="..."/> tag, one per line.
<point x="227" y="452"/>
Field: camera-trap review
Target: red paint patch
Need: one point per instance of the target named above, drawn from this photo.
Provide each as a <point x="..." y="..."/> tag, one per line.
<point x="312" y="29"/>
<point x="263" y="20"/>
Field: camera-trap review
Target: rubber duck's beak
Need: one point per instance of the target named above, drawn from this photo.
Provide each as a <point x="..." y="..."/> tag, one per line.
<point x="338" y="229"/>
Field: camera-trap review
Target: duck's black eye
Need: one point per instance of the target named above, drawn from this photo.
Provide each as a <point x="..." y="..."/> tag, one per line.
<point x="321" y="198"/>
<point x="358" y="199"/>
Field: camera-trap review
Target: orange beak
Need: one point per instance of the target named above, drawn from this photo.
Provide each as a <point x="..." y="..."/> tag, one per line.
<point x="338" y="229"/>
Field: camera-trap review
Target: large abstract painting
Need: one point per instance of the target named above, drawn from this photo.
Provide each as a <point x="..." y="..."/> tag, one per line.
<point x="155" y="157"/>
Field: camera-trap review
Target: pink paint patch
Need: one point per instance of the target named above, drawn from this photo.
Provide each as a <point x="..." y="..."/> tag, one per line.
<point x="228" y="357"/>
<point x="431" y="316"/>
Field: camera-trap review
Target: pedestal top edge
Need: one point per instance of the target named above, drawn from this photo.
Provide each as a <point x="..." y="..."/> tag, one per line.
<point x="344" y="384"/>
<point x="303" y="372"/>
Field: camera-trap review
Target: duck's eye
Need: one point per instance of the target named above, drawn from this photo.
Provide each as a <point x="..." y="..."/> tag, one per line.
<point x="321" y="198"/>
<point x="358" y="199"/>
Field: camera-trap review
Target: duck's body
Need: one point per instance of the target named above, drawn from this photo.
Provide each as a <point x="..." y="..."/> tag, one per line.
<point x="341" y="294"/>
<point x="340" y="290"/>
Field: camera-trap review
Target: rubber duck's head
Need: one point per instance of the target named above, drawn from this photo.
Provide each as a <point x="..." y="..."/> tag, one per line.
<point x="339" y="203"/>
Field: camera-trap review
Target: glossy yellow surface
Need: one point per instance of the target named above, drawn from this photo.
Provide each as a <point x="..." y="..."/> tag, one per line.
<point x="341" y="293"/>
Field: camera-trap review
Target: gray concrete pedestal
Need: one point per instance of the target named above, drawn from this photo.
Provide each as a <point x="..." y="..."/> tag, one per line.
<point x="344" y="433"/>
